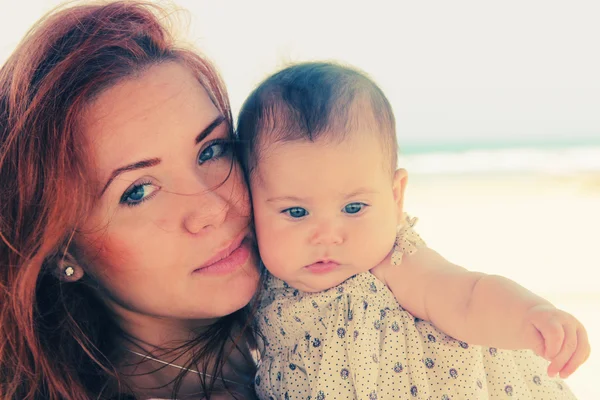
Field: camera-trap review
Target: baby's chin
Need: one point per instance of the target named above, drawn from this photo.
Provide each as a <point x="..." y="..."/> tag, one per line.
<point x="319" y="283"/>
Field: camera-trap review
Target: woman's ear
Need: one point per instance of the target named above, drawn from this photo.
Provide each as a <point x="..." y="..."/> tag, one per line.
<point x="68" y="269"/>
<point x="399" y="185"/>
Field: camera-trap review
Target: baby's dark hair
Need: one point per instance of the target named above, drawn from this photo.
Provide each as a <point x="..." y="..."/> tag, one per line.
<point x="308" y="100"/>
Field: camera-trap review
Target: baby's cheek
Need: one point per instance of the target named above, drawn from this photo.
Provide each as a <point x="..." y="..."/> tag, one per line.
<point x="381" y="240"/>
<point x="269" y="249"/>
<point x="276" y="253"/>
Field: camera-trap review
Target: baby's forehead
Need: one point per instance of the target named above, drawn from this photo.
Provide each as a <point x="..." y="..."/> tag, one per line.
<point x="366" y="141"/>
<point x="339" y="165"/>
<point x="312" y="188"/>
<point x="358" y="125"/>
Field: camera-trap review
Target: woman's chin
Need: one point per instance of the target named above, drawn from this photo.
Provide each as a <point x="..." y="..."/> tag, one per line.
<point x="240" y="291"/>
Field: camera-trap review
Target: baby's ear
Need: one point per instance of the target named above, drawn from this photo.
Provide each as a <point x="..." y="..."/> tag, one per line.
<point x="399" y="185"/>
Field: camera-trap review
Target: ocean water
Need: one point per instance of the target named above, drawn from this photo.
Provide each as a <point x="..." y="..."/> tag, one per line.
<point x="457" y="159"/>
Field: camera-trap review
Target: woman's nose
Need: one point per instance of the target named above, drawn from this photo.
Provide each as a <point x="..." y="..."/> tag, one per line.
<point x="206" y="211"/>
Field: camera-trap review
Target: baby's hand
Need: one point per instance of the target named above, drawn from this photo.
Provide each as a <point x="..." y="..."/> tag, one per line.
<point x="564" y="341"/>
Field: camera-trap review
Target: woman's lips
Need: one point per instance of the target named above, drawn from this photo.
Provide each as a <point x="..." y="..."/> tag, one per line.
<point x="229" y="259"/>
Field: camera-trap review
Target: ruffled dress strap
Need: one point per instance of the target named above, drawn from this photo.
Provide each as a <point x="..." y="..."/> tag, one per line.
<point x="407" y="240"/>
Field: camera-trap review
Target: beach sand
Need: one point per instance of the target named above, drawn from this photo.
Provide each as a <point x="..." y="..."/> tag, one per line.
<point x="543" y="231"/>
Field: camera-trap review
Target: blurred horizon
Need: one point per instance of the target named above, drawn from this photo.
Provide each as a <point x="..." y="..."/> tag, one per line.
<point x="459" y="75"/>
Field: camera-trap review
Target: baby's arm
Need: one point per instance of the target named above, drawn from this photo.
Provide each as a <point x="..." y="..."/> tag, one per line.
<point x="485" y="309"/>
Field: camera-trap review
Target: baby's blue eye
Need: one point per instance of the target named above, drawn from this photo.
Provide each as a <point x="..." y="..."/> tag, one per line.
<point x="214" y="151"/>
<point x="296" y="212"/>
<point x="138" y="194"/>
<point x="354" y="208"/>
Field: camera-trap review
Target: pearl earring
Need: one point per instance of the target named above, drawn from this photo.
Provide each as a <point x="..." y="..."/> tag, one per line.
<point x="69" y="271"/>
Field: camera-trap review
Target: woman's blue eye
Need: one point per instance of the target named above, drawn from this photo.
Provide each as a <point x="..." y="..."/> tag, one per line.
<point x="214" y="151"/>
<point x="354" y="208"/>
<point x="296" y="212"/>
<point x="138" y="194"/>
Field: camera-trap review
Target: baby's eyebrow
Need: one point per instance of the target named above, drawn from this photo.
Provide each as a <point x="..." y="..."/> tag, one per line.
<point x="361" y="191"/>
<point x="284" y="198"/>
<point x="295" y="199"/>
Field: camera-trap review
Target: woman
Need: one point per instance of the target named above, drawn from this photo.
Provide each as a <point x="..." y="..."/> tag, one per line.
<point x="127" y="264"/>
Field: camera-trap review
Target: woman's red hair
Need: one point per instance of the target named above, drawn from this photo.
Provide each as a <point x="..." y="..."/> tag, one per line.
<point x="56" y="339"/>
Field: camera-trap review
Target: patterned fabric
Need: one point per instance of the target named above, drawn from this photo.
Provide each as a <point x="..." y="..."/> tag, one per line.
<point x="354" y="341"/>
<point x="407" y="240"/>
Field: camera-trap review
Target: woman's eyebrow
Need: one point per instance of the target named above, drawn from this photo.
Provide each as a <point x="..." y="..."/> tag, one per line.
<point x="211" y="127"/>
<point x="131" y="167"/>
<point x="155" y="161"/>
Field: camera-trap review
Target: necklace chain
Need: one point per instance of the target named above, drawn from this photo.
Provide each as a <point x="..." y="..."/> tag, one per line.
<point x="149" y="357"/>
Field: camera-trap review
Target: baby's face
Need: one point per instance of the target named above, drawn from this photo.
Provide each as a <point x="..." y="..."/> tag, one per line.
<point x="325" y="211"/>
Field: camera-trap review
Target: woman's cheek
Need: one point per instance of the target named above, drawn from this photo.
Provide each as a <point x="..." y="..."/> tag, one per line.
<point x="240" y="192"/>
<point x="109" y="256"/>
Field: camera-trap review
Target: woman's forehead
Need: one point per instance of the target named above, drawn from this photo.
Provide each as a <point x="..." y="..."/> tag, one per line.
<point x="146" y="114"/>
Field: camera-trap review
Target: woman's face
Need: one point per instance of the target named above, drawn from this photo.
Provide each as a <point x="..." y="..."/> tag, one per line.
<point x="168" y="238"/>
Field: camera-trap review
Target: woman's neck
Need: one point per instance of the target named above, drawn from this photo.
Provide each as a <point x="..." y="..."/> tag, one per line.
<point x="175" y="342"/>
<point x="159" y="332"/>
<point x="150" y="376"/>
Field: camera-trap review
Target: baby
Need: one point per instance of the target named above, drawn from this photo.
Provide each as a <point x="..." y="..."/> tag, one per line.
<point x="356" y="305"/>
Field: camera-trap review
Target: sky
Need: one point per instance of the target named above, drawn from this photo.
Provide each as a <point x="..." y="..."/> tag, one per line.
<point x="512" y="71"/>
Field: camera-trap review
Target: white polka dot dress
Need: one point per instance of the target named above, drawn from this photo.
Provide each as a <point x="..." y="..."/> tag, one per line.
<point x="354" y="341"/>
